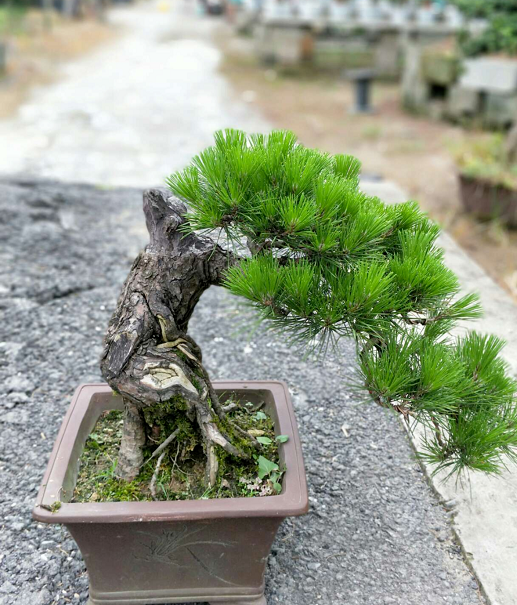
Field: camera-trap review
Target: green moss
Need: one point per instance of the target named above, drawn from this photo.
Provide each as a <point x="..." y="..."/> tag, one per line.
<point x="164" y="418"/>
<point x="196" y="383"/>
<point x="182" y="472"/>
<point x="238" y="477"/>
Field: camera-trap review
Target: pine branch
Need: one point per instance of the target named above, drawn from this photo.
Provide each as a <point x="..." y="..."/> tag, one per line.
<point x="328" y="261"/>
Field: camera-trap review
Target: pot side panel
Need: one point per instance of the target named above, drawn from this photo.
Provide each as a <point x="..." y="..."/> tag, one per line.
<point x="177" y="561"/>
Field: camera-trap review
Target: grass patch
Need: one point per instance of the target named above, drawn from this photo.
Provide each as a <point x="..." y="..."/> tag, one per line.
<point x="181" y="473"/>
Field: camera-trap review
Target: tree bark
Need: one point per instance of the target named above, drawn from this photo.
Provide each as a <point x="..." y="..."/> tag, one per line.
<point x="131" y="456"/>
<point x="148" y="356"/>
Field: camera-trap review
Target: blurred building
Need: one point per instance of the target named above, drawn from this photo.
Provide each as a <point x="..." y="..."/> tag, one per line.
<point x="333" y="34"/>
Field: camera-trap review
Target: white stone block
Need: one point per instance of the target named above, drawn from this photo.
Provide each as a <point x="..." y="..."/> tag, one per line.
<point x="490" y="74"/>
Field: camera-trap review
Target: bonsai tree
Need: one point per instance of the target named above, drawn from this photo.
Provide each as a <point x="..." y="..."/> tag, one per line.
<point x="319" y="261"/>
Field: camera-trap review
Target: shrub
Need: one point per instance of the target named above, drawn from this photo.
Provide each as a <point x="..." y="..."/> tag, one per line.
<point x="500" y="36"/>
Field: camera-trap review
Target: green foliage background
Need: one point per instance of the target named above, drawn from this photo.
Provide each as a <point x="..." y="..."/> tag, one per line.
<point x="501" y="33"/>
<point x="329" y="261"/>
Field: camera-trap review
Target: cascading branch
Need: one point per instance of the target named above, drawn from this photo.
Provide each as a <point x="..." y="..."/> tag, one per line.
<point x="328" y="261"/>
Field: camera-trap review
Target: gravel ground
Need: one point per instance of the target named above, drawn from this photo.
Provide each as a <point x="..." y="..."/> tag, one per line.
<point x="375" y="533"/>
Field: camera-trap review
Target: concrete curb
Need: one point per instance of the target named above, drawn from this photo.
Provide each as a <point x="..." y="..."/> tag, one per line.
<point x="484" y="509"/>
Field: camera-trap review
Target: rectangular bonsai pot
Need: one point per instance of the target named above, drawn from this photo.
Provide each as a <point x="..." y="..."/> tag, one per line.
<point x="487" y="200"/>
<point x="172" y="551"/>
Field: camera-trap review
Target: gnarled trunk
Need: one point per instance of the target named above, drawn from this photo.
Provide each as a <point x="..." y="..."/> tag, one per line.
<point x="148" y="356"/>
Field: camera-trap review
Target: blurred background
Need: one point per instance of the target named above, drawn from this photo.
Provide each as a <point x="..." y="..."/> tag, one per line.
<point x="423" y="92"/>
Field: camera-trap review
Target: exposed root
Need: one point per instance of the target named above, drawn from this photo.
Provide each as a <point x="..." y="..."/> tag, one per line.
<point x="162" y="446"/>
<point x="212" y="466"/>
<point x="131" y="454"/>
<point x="221" y="412"/>
<point x="210" y="431"/>
<point x="152" y="485"/>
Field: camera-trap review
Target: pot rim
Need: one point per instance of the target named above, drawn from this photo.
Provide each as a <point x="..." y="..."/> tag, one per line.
<point x="292" y="501"/>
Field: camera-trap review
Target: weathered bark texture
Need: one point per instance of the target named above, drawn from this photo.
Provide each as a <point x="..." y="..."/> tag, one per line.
<point x="148" y="356"/>
<point x="131" y="456"/>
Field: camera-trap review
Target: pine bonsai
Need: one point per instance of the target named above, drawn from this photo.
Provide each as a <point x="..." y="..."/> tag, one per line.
<point x="322" y="261"/>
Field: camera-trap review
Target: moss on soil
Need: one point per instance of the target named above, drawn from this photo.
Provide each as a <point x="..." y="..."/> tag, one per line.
<point x="181" y="474"/>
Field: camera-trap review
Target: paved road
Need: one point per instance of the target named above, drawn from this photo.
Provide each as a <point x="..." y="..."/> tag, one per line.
<point x="131" y="112"/>
<point x="128" y="115"/>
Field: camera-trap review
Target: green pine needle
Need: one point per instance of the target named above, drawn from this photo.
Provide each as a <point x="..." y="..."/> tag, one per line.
<point x="329" y="261"/>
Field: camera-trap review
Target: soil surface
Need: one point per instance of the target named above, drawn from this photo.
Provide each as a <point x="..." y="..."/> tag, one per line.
<point x="415" y="152"/>
<point x="179" y="472"/>
<point x="375" y="532"/>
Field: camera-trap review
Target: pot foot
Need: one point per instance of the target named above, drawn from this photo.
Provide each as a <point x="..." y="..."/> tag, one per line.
<point x="260" y="601"/>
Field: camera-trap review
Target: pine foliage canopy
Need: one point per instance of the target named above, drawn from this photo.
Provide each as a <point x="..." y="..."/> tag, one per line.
<point x="328" y="261"/>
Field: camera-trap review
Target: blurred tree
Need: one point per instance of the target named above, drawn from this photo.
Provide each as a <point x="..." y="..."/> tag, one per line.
<point x="500" y="36"/>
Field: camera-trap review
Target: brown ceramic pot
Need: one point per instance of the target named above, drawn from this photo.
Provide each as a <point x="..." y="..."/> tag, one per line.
<point x="487" y="200"/>
<point x="172" y="552"/>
